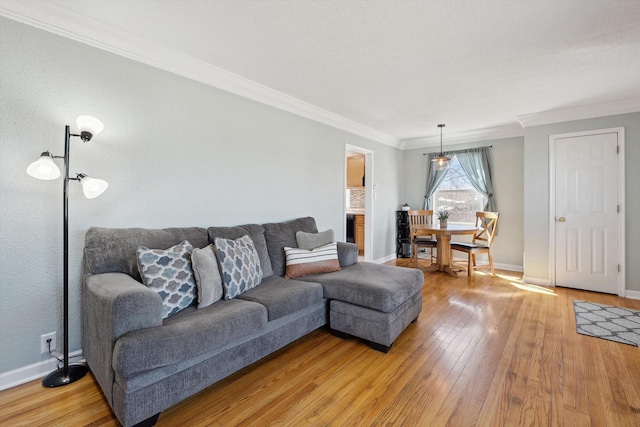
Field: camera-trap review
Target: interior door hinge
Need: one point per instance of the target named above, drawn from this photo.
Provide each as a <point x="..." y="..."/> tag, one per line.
<point x="618" y="209"/>
<point x="617" y="149"/>
<point x="618" y="268"/>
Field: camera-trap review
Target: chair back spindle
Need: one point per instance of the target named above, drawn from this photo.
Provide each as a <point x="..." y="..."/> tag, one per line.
<point x="420" y="217"/>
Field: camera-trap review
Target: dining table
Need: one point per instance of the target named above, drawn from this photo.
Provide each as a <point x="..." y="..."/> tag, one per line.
<point x="443" y="237"/>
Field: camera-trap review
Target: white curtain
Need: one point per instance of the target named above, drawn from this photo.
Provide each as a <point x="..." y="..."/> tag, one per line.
<point x="475" y="163"/>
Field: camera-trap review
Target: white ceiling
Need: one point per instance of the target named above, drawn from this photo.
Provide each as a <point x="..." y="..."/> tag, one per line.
<point x="393" y="68"/>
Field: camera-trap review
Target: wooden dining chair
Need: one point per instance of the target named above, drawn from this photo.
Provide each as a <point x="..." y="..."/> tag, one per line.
<point x="487" y="223"/>
<point x="421" y="217"/>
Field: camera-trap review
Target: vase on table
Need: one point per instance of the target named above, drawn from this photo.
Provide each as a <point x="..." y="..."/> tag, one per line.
<point x="443" y="224"/>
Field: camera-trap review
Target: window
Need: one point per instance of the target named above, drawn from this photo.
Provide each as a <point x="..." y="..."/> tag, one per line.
<point x="457" y="195"/>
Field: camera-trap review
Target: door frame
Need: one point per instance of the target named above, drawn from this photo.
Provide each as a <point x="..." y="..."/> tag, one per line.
<point x="368" y="197"/>
<point x="621" y="202"/>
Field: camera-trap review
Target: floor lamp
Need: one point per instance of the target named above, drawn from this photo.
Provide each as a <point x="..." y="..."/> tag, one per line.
<point x="45" y="168"/>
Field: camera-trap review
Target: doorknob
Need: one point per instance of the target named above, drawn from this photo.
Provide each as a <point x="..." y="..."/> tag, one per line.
<point x="561" y="219"/>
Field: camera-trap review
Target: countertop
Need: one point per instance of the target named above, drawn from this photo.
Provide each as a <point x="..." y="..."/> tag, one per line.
<point x="355" y="211"/>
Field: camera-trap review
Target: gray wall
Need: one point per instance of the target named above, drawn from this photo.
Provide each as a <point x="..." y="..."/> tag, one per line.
<point x="175" y="153"/>
<point x="536" y="176"/>
<point x="506" y="170"/>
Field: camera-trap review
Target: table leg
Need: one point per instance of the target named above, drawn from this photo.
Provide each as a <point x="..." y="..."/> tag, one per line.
<point x="442" y="257"/>
<point x="448" y="267"/>
<point x="444" y="248"/>
<point x="443" y="261"/>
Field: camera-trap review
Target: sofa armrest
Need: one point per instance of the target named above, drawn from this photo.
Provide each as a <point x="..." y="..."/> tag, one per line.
<point x="112" y="305"/>
<point x="347" y="254"/>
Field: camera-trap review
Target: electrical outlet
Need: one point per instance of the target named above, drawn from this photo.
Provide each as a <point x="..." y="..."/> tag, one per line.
<point x="44" y="345"/>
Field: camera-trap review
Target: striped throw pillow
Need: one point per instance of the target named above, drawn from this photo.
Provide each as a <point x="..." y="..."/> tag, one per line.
<point x="301" y="262"/>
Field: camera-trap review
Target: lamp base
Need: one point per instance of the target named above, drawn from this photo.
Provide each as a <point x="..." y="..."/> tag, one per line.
<point x="58" y="377"/>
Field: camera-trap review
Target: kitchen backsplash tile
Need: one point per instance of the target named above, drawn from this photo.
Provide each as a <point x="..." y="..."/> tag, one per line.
<point x="357" y="198"/>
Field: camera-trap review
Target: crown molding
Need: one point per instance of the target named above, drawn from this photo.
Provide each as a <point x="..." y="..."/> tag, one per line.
<point x="613" y="108"/>
<point x="464" y="137"/>
<point x="70" y="24"/>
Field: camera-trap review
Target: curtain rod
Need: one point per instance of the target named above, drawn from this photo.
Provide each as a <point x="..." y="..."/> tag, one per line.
<point x="461" y="151"/>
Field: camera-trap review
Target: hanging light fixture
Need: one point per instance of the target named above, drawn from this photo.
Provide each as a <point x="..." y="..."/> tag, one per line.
<point x="441" y="162"/>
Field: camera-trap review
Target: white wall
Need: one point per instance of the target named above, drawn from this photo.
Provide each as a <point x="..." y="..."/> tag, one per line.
<point x="175" y="153"/>
<point x="507" y="174"/>
<point x="536" y="168"/>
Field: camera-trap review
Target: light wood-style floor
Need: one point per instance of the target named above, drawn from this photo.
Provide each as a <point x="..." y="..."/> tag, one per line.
<point x="486" y="351"/>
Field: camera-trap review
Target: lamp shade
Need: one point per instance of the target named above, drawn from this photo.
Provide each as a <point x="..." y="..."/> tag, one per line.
<point x="44" y="168"/>
<point x="89" y="124"/>
<point x="92" y="187"/>
<point x="441" y="162"/>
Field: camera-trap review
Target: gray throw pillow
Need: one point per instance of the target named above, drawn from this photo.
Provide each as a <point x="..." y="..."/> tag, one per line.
<point x="169" y="273"/>
<point x="240" y="265"/>
<point x="314" y="240"/>
<point x="207" y="275"/>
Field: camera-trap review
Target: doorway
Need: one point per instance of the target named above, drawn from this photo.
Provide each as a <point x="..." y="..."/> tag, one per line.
<point x="586" y="215"/>
<point x="358" y="199"/>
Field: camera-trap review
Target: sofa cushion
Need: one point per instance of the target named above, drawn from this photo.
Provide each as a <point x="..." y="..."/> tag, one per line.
<point x="375" y="286"/>
<point x="300" y="262"/>
<point x="281" y="234"/>
<point x="284" y="296"/>
<point x="187" y="334"/>
<point x="207" y="275"/>
<point x="314" y="240"/>
<point x="256" y="232"/>
<point x="169" y="273"/>
<point x="239" y="264"/>
<point x="113" y="250"/>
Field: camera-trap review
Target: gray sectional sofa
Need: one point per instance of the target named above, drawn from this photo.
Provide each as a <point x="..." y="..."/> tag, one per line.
<point x="145" y="364"/>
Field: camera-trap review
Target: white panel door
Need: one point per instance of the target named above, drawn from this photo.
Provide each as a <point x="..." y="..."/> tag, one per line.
<point x="586" y="212"/>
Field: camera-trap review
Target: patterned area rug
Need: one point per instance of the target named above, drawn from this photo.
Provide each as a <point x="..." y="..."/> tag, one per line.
<point x="608" y="322"/>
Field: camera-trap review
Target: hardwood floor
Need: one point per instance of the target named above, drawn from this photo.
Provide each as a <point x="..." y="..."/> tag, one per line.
<point x="486" y="351"/>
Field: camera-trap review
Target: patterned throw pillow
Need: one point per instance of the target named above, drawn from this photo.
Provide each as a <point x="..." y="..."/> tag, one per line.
<point x="240" y="265"/>
<point x="169" y="273"/>
<point x="300" y="262"/>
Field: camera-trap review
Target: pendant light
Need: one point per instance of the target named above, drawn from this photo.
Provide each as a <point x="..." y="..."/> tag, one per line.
<point x="441" y="162"/>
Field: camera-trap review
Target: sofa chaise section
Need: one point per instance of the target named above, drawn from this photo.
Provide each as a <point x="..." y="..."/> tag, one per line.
<point x="371" y="301"/>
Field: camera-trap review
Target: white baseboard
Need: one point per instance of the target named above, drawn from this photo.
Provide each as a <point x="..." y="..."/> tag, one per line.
<point x="632" y="294"/>
<point x="384" y="259"/>
<point x="32" y="372"/>
<point x="510" y="267"/>
<point x="536" y="281"/>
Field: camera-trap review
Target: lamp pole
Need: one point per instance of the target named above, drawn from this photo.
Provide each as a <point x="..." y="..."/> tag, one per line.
<point x="67" y="374"/>
<point x="46" y="169"/>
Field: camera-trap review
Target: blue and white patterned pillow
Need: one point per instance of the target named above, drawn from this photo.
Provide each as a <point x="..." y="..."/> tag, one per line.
<point x="169" y="273"/>
<point x="240" y="265"/>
